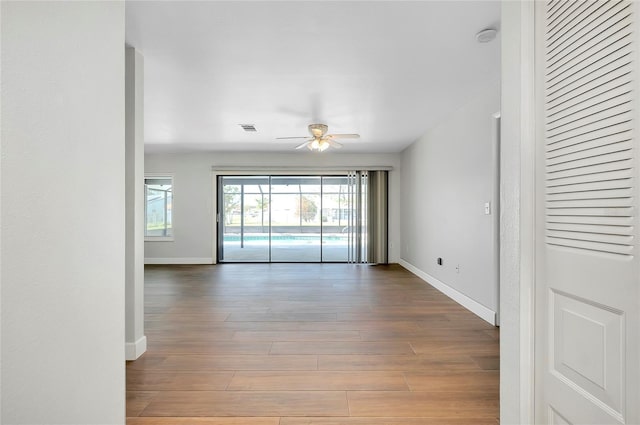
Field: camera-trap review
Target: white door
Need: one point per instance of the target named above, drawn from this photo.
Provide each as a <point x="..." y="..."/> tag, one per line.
<point x="587" y="274"/>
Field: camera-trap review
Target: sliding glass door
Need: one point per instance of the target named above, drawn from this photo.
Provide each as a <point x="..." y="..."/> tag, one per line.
<point x="337" y="210"/>
<point x="294" y="218"/>
<point x="244" y="219"/>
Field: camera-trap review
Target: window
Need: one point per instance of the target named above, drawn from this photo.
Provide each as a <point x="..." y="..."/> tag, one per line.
<point x="158" y="195"/>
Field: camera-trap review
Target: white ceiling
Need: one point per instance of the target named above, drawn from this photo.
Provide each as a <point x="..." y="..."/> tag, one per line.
<point x="388" y="70"/>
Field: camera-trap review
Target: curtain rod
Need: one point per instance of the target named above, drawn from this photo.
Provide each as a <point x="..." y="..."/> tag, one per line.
<point x="300" y="169"/>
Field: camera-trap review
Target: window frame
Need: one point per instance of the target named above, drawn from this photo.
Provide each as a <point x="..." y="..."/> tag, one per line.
<point x="170" y="238"/>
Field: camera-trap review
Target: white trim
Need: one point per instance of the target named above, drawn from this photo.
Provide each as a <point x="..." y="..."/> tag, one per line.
<point x="151" y="175"/>
<point x="178" y="260"/>
<point x="214" y="209"/>
<point x="475" y="307"/>
<point x="133" y="350"/>
<point x="528" y="105"/>
<point x="158" y="239"/>
<point x="293" y="170"/>
<point x="495" y="208"/>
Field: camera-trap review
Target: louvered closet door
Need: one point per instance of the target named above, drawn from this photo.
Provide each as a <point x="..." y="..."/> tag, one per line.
<point x="587" y="275"/>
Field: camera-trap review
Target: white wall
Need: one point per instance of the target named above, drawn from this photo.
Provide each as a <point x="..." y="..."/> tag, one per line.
<point x="447" y="177"/>
<point x="63" y="195"/>
<point x="193" y="215"/>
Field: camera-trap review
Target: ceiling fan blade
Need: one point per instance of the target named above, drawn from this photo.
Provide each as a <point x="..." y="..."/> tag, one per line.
<point x="334" y="144"/>
<point x="307" y="143"/>
<point x="343" y="136"/>
<point x="296" y="137"/>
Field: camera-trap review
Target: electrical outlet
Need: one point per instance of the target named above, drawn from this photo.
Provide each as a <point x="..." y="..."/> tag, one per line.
<point x="487" y="208"/>
<point x="458" y="268"/>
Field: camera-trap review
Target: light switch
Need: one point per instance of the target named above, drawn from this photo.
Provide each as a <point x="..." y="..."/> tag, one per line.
<point x="487" y="208"/>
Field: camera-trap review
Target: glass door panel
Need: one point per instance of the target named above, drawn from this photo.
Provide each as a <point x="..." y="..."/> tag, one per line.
<point x="244" y="219"/>
<point x="336" y="211"/>
<point x="289" y="218"/>
<point x="295" y="218"/>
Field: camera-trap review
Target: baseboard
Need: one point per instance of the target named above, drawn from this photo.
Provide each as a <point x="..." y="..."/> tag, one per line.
<point x="133" y="350"/>
<point x="468" y="303"/>
<point x="178" y="261"/>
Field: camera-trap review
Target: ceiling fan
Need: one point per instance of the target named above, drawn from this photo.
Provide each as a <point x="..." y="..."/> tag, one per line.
<point x="320" y="141"/>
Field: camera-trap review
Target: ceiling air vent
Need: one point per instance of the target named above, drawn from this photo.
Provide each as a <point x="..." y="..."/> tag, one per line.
<point x="248" y="127"/>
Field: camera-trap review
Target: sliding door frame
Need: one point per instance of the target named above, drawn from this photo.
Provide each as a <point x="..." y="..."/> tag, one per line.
<point x="221" y="170"/>
<point x="230" y="170"/>
<point x="220" y="217"/>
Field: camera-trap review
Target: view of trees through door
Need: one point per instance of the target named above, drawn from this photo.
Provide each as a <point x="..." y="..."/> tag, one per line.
<point x="284" y="218"/>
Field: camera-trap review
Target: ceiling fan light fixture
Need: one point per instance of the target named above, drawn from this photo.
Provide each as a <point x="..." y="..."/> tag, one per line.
<point x="318" y="145"/>
<point x="318" y="130"/>
<point x="320" y="141"/>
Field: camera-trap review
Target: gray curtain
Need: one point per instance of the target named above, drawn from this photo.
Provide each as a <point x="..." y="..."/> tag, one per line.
<point x="377" y="217"/>
<point x="368" y="220"/>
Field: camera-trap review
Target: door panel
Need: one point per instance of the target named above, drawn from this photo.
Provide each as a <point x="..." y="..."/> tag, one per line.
<point x="587" y="275"/>
<point x="336" y="210"/>
<point x="295" y="225"/>
<point x="586" y="346"/>
<point x="245" y="218"/>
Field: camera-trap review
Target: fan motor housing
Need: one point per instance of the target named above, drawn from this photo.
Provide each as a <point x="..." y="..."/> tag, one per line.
<point x="318" y="130"/>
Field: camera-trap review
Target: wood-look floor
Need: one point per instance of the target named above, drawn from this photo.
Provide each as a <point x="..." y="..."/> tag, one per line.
<point x="312" y="344"/>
